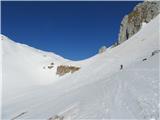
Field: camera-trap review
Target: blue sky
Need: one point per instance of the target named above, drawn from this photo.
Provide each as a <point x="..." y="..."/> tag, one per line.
<point x="74" y="30"/>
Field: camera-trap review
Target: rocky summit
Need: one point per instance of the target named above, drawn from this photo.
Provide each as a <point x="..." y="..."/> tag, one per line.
<point x="142" y="13"/>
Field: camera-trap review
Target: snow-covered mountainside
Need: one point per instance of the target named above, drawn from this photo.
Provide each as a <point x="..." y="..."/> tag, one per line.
<point x="120" y="83"/>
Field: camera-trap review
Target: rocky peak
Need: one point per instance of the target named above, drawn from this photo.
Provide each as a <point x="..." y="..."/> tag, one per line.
<point x="102" y="49"/>
<point x="142" y="13"/>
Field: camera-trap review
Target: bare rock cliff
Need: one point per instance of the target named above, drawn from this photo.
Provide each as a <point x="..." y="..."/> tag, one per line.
<point x="142" y="13"/>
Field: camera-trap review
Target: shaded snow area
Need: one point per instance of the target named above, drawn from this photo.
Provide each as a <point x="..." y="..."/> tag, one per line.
<point x="120" y="83"/>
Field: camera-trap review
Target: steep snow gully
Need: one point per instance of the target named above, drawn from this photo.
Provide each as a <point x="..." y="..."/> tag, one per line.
<point x="99" y="90"/>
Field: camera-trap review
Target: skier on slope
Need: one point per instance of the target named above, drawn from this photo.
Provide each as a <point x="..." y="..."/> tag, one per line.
<point x="121" y="67"/>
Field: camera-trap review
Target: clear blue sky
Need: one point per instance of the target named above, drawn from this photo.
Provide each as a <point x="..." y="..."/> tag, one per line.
<point x="74" y="30"/>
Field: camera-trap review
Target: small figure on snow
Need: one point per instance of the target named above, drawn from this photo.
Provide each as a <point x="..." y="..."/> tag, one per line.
<point x="121" y="67"/>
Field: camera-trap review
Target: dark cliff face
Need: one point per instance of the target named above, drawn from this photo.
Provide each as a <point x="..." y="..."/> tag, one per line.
<point x="142" y="13"/>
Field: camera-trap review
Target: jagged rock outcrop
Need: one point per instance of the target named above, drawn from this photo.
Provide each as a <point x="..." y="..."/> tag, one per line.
<point x="142" y="13"/>
<point x="51" y="66"/>
<point x="102" y="49"/>
<point x="155" y="52"/>
<point x="57" y="117"/>
<point x="63" y="69"/>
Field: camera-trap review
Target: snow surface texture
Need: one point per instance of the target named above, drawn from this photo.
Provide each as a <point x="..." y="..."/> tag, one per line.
<point x="99" y="90"/>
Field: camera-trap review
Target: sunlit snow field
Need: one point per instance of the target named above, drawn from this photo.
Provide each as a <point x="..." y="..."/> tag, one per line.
<point x="99" y="90"/>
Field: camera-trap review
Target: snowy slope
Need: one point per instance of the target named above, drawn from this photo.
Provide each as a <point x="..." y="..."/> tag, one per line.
<point x="99" y="90"/>
<point x="23" y="66"/>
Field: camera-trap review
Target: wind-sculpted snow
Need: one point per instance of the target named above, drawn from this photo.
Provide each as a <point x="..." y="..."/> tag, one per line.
<point x="99" y="90"/>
